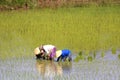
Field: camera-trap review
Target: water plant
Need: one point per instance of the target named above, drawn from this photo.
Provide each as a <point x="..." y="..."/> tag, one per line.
<point x="79" y="56"/>
<point x="119" y="56"/>
<point x="90" y="58"/>
<point x="80" y="53"/>
<point x="102" y="54"/>
<point x="94" y="54"/>
<point x="113" y="50"/>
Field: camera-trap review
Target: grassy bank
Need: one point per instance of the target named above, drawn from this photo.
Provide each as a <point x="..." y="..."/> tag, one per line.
<point x="83" y="28"/>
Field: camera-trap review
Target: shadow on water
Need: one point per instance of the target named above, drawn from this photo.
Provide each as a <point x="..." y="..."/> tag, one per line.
<point x="50" y="69"/>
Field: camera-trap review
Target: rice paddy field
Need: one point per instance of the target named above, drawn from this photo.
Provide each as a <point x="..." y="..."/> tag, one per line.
<point x="92" y="30"/>
<point x="106" y="68"/>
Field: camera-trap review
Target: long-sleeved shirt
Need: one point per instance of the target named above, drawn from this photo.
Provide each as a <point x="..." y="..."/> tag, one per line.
<point x="48" y="48"/>
<point x="65" y="52"/>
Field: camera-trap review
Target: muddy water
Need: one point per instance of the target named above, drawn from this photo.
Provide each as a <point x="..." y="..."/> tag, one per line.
<point x="106" y="68"/>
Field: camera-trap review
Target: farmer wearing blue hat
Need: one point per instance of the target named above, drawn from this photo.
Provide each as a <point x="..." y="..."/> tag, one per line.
<point x="63" y="55"/>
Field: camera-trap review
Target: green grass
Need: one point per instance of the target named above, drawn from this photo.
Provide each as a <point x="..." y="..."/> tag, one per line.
<point x="82" y="28"/>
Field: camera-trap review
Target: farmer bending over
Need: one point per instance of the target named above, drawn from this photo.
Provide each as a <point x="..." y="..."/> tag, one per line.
<point x="39" y="53"/>
<point x="63" y="55"/>
<point x="49" y="51"/>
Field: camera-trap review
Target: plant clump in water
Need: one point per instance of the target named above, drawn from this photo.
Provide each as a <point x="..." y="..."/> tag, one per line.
<point x="102" y="54"/>
<point x="90" y="58"/>
<point x="119" y="56"/>
<point x="113" y="50"/>
<point x="94" y="54"/>
<point x="79" y="57"/>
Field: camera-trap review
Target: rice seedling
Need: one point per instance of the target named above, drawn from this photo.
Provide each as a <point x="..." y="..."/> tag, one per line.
<point x="94" y="54"/>
<point x="82" y="28"/>
<point x="79" y="56"/>
<point x="80" y="53"/>
<point x="102" y="54"/>
<point x="119" y="56"/>
<point x="90" y="58"/>
<point x="113" y="50"/>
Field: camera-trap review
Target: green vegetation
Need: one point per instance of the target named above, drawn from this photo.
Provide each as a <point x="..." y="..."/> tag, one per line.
<point x="82" y="28"/>
<point x="79" y="56"/>
<point x="119" y="56"/>
<point x="102" y="54"/>
<point x="16" y="4"/>
<point x="80" y="53"/>
<point x="113" y="50"/>
<point x="90" y="58"/>
<point x="94" y="54"/>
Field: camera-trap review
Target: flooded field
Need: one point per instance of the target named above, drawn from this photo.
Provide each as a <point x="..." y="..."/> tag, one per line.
<point x="80" y="28"/>
<point x="106" y="68"/>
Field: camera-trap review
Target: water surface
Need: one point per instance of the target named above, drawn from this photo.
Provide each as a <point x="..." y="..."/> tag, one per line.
<point x="106" y="68"/>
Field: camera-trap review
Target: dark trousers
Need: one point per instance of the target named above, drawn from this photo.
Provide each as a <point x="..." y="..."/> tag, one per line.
<point x="64" y="58"/>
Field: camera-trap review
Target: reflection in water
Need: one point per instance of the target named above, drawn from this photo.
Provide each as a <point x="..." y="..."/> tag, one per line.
<point x="66" y="67"/>
<point x="28" y="68"/>
<point x="50" y="69"/>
